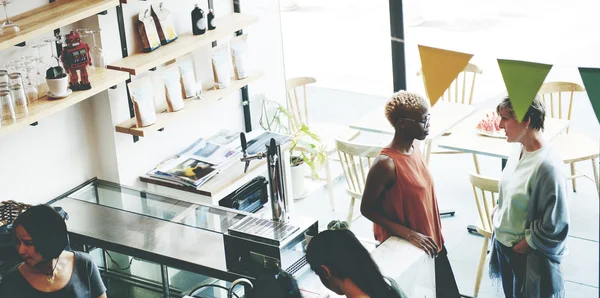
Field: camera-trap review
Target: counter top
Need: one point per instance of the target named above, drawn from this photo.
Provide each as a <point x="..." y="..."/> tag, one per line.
<point x="155" y="240"/>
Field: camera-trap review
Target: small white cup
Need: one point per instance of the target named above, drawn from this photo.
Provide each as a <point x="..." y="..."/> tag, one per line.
<point x="58" y="87"/>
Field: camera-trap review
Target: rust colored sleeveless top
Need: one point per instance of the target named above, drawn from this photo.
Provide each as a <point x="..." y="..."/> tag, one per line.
<point x="411" y="201"/>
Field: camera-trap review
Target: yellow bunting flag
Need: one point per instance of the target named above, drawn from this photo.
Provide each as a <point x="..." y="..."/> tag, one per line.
<point x="591" y="81"/>
<point x="523" y="81"/>
<point x="439" y="69"/>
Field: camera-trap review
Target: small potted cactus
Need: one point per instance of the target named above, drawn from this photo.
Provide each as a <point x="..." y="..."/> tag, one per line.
<point x="58" y="82"/>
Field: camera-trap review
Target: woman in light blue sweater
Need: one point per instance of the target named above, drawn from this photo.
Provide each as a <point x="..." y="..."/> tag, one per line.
<point x="531" y="220"/>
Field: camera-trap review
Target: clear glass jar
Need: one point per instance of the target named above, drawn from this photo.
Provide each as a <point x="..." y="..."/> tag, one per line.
<point x="8" y="110"/>
<point x="15" y="79"/>
<point x="3" y="76"/>
<point x="19" y="100"/>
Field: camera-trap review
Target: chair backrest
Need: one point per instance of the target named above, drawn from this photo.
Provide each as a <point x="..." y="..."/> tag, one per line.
<point x="462" y="88"/>
<point x="552" y="95"/>
<point x="488" y="188"/>
<point x="297" y="104"/>
<point x="356" y="160"/>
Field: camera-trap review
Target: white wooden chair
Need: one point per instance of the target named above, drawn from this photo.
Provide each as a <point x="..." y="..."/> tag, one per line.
<point x="460" y="91"/>
<point x="327" y="132"/>
<point x="356" y="160"/>
<point x="572" y="147"/>
<point x="485" y="190"/>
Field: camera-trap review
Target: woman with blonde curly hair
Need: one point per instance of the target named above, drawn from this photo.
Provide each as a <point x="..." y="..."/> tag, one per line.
<point x="399" y="195"/>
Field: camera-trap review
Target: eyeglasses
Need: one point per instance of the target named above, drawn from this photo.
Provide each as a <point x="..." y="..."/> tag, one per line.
<point x="425" y="122"/>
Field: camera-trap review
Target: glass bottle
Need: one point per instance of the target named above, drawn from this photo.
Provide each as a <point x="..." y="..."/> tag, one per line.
<point x="198" y="21"/>
<point x="211" y="20"/>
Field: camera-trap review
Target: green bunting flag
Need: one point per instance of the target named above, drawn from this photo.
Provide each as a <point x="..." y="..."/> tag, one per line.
<point x="523" y="81"/>
<point x="591" y="81"/>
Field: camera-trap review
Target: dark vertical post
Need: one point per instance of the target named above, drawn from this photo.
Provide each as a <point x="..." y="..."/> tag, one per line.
<point x="125" y="53"/>
<point x="245" y="95"/>
<point x="397" y="39"/>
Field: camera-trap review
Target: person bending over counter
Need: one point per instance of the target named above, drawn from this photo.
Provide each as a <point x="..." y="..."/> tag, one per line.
<point x="399" y="196"/>
<point x="345" y="266"/>
<point x="531" y="220"/>
<point x="47" y="269"/>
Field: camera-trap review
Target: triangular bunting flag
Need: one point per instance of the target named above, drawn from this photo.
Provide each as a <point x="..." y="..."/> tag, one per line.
<point x="591" y="81"/>
<point x="439" y="69"/>
<point x="523" y="81"/>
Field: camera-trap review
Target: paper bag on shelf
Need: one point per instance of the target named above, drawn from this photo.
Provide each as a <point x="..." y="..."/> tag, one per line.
<point x="147" y="30"/>
<point x="173" y="92"/>
<point x="221" y="66"/>
<point x="239" y="55"/>
<point x="143" y="101"/>
<point x="164" y="23"/>
<point x="190" y="87"/>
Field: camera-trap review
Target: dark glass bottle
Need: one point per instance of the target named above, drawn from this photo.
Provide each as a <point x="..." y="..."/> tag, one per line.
<point x="198" y="21"/>
<point x="211" y="20"/>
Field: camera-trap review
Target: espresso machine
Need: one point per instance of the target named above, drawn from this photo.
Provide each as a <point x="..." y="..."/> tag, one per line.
<point x="254" y="244"/>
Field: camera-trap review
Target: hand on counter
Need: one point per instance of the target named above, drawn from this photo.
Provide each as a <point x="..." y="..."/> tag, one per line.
<point x="423" y="242"/>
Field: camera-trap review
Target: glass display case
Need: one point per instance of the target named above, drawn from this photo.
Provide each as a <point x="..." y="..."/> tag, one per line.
<point x="149" y="245"/>
<point x="141" y="273"/>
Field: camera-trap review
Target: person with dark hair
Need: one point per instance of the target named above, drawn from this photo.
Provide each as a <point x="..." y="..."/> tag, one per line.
<point x="531" y="220"/>
<point x="275" y="283"/>
<point x="346" y="267"/>
<point x="399" y="194"/>
<point x="47" y="269"/>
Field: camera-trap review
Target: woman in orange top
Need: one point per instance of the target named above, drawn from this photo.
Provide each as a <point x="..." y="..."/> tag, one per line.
<point x="399" y="195"/>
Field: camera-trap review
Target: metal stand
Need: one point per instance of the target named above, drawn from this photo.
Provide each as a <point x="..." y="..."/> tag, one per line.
<point x="277" y="178"/>
<point x="397" y="38"/>
<point x="125" y="53"/>
<point x="245" y="96"/>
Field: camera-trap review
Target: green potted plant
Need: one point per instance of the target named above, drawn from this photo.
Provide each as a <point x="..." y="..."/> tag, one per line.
<point x="58" y="82"/>
<point x="307" y="148"/>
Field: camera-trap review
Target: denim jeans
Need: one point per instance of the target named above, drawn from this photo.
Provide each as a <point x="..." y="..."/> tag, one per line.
<point x="512" y="268"/>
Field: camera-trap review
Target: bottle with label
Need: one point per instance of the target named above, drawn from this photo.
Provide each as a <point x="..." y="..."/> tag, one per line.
<point x="211" y="20"/>
<point x="198" y="21"/>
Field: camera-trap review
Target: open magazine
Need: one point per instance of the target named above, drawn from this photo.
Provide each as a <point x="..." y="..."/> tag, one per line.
<point x="204" y="158"/>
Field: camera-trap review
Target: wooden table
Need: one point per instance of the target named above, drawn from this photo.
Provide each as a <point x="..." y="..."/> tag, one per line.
<point x="465" y="139"/>
<point x="444" y="115"/>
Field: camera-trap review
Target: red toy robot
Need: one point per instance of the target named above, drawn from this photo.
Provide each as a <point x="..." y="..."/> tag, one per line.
<point x="76" y="56"/>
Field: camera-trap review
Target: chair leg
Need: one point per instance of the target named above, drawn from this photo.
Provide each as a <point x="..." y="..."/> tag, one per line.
<point x="480" y="267"/>
<point x="329" y="183"/>
<point x="595" y="169"/>
<point x="351" y="211"/>
<point x="573" y="173"/>
<point x="476" y="161"/>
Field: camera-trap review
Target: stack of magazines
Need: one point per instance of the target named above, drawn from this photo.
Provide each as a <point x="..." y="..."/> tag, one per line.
<point x="206" y="157"/>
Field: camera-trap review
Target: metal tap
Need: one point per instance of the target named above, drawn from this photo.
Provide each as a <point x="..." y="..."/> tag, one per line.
<point x="277" y="177"/>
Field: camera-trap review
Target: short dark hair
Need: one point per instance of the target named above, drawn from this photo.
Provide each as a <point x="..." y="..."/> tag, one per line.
<point x="47" y="228"/>
<point x="536" y="112"/>
<point x="275" y="283"/>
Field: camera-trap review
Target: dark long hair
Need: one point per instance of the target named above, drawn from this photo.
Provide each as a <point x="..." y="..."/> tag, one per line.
<point x="346" y="257"/>
<point x="47" y="229"/>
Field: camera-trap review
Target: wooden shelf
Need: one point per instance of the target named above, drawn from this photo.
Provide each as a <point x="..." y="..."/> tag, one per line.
<point x="44" y="19"/>
<point x="141" y="62"/>
<point x="101" y="79"/>
<point x="191" y="107"/>
<point x="225" y="182"/>
<point x="141" y="1"/>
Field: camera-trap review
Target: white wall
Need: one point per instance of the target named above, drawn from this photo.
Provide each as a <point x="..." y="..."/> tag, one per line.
<point x="39" y="163"/>
<point x="80" y="143"/>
